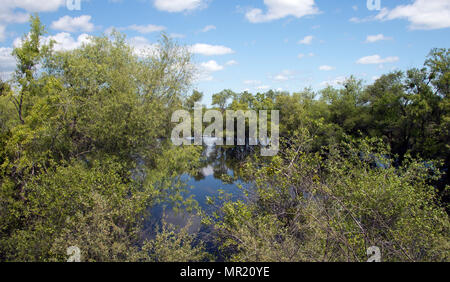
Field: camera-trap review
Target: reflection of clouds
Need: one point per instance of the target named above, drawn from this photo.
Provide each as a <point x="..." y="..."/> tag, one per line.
<point x="207" y="171"/>
<point x="182" y="219"/>
<point x="210" y="141"/>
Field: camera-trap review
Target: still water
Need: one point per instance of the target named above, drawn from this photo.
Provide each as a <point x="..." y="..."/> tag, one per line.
<point x="218" y="162"/>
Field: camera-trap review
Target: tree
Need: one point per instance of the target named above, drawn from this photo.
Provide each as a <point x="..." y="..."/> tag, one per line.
<point x="221" y="99"/>
<point x="195" y="97"/>
<point x="87" y="159"/>
<point x="305" y="207"/>
<point x="29" y="55"/>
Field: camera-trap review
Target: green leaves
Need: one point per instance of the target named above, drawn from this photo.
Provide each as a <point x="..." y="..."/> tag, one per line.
<point x="305" y="207"/>
<point x="87" y="155"/>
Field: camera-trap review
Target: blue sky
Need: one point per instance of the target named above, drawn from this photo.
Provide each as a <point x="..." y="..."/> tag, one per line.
<point x="253" y="45"/>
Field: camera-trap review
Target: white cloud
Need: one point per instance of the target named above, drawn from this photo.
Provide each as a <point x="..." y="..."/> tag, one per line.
<point x="208" y="28"/>
<point x="65" y="41"/>
<point x="9" y="11"/>
<point x="422" y="14"/>
<point x="277" y="9"/>
<point x="8" y="16"/>
<point x="333" y="82"/>
<point x="175" y="6"/>
<point x="326" y="68"/>
<point x="306" y="40"/>
<point x="300" y="56"/>
<point x="7" y="61"/>
<point x="69" y="24"/>
<point x="142" y="46"/>
<point x="147" y="28"/>
<point x="375" y="38"/>
<point x="231" y="63"/>
<point x="205" y="78"/>
<point x="376" y="59"/>
<point x="211" y="66"/>
<point x="210" y="50"/>
<point x="283" y="76"/>
<point x="34" y="5"/>
<point x="206" y="69"/>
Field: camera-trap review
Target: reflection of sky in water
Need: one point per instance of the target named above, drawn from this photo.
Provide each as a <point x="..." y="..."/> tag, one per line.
<point x="207" y="186"/>
<point x="207" y="171"/>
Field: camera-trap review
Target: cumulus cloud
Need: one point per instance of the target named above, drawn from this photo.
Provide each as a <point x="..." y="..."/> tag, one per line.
<point x="63" y="41"/>
<point x="211" y="66"/>
<point x="7" y="17"/>
<point x="376" y="60"/>
<point x="306" y="40"/>
<point x="375" y="38"/>
<point x="326" y="68"/>
<point x="283" y="76"/>
<point x="7" y="61"/>
<point x="69" y="24"/>
<point x="422" y="14"/>
<point x="333" y="82"/>
<point x="210" y="50"/>
<point x="176" y="6"/>
<point x="15" y="11"/>
<point x="278" y="9"/>
<point x="33" y="6"/>
<point x="142" y="46"/>
<point x="206" y="69"/>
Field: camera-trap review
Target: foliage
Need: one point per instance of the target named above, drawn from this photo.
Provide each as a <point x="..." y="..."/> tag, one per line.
<point x="85" y="156"/>
<point x="332" y="206"/>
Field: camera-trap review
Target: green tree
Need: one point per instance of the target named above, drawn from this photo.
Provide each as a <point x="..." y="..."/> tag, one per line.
<point x="88" y="157"/>
<point x="304" y="207"/>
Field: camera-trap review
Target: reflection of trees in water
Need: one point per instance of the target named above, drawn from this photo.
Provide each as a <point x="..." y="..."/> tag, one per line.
<point x="223" y="162"/>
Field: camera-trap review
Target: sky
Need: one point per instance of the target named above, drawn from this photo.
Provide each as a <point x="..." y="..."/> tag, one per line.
<point x="251" y="45"/>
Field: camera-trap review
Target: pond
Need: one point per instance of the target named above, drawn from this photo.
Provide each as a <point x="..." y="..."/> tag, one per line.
<point x="218" y="161"/>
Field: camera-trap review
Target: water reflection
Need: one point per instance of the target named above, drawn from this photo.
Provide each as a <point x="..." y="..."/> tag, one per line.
<point x="219" y="171"/>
